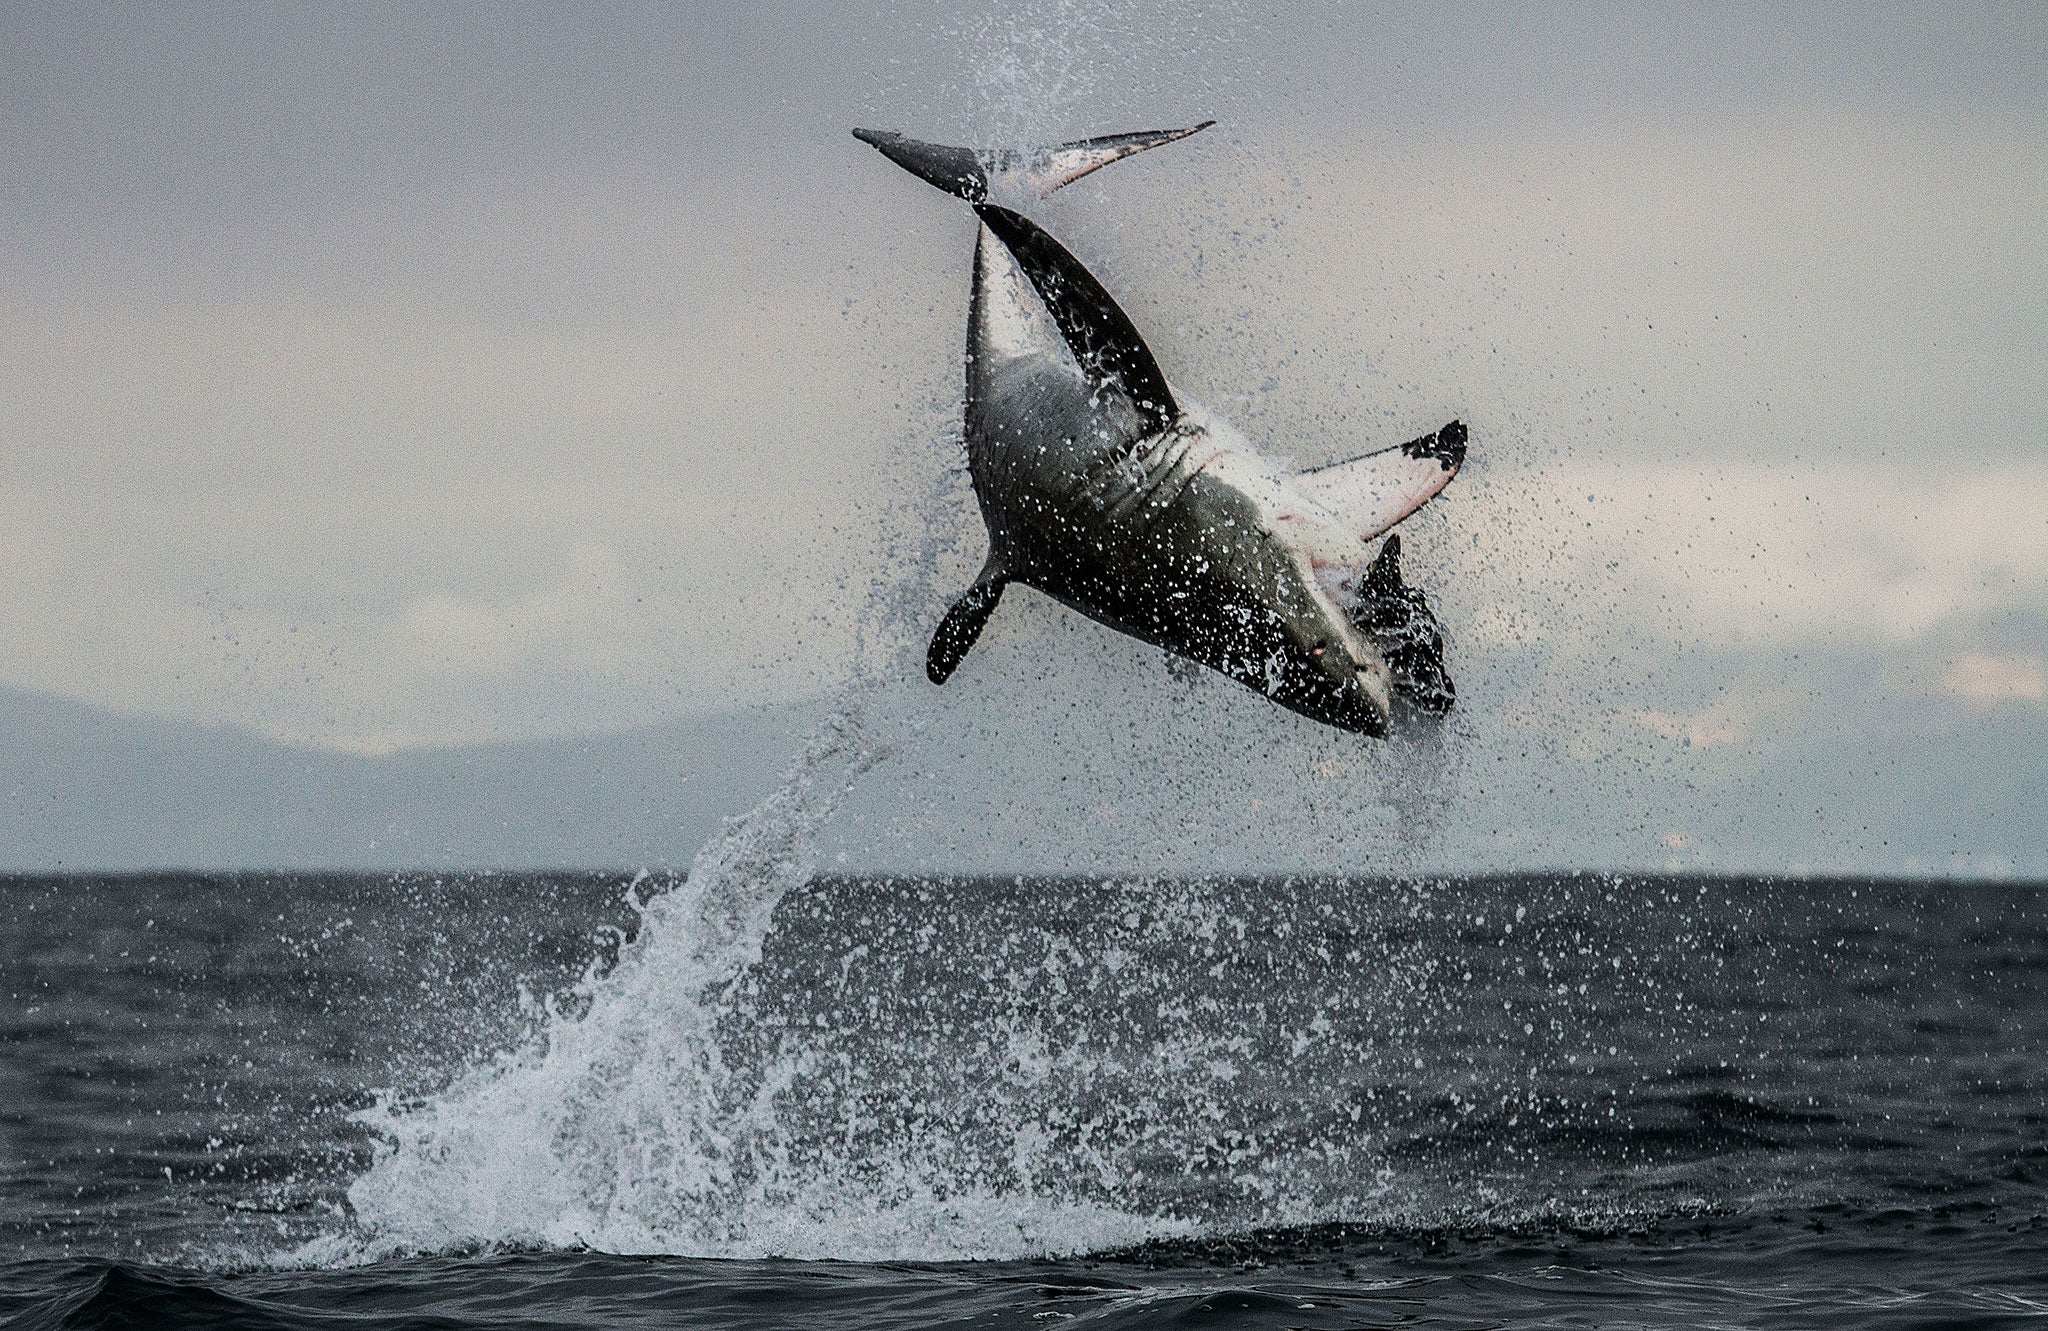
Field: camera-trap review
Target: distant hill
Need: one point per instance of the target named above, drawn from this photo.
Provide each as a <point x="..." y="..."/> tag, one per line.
<point x="1098" y="761"/>
<point x="86" y="788"/>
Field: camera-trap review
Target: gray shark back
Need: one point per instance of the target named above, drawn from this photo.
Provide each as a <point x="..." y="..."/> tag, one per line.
<point x="1051" y="430"/>
<point x="1098" y="335"/>
<point x="1043" y="421"/>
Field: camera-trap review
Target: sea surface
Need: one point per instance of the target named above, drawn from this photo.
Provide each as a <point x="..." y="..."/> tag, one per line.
<point x="764" y="1098"/>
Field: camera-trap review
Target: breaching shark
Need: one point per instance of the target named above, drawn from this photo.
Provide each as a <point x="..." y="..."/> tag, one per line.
<point x="1099" y="489"/>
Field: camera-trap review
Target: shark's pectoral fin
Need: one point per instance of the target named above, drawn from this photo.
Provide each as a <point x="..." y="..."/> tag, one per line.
<point x="961" y="626"/>
<point x="1370" y="494"/>
<point x="1400" y="623"/>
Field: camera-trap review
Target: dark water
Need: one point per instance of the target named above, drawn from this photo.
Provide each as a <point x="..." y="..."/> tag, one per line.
<point x="1527" y="1101"/>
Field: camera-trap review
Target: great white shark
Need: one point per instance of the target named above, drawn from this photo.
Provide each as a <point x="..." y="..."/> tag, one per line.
<point x="1101" y="490"/>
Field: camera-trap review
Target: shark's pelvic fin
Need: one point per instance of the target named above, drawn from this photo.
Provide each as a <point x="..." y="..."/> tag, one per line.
<point x="1101" y="336"/>
<point x="972" y="173"/>
<point x="962" y="625"/>
<point x="1369" y="494"/>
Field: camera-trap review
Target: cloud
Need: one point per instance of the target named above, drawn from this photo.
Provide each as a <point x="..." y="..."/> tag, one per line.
<point x="350" y="499"/>
<point x="1702" y="731"/>
<point x="1750" y="556"/>
<point x="1794" y="287"/>
<point x="578" y="618"/>
<point x="1982" y="681"/>
<point x="1740" y="388"/>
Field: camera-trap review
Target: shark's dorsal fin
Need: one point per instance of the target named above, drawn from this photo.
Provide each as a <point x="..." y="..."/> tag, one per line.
<point x="1369" y="494"/>
<point x="1100" y="335"/>
<point x="971" y="174"/>
<point x="1383" y="579"/>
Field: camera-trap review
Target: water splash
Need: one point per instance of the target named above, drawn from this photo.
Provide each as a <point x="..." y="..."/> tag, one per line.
<point x="1039" y="71"/>
<point x="622" y="1126"/>
<point x="646" y="1114"/>
<point x="922" y="1069"/>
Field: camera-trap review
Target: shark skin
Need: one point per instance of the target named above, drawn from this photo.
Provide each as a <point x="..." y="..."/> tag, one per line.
<point x="1100" y="490"/>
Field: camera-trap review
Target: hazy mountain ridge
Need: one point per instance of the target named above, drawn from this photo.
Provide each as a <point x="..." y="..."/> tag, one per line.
<point x="1094" y="762"/>
<point x="83" y="787"/>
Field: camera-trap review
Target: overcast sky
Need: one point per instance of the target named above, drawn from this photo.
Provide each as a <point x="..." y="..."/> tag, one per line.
<point x="378" y="377"/>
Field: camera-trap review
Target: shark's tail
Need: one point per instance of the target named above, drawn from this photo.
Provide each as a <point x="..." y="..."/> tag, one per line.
<point x="972" y="173"/>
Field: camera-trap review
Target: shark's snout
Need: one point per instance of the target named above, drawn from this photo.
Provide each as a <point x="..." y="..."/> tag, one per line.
<point x="1336" y="681"/>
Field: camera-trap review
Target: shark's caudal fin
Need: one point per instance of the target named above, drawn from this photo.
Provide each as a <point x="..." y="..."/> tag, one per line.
<point x="1398" y="620"/>
<point x="971" y="173"/>
<point x="961" y="626"/>
<point x="1371" y="493"/>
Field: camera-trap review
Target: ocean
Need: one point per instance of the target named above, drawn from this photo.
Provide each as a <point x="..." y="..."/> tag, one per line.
<point x="762" y="1097"/>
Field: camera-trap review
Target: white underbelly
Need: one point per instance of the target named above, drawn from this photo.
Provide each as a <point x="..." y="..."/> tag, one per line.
<point x="1297" y="521"/>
